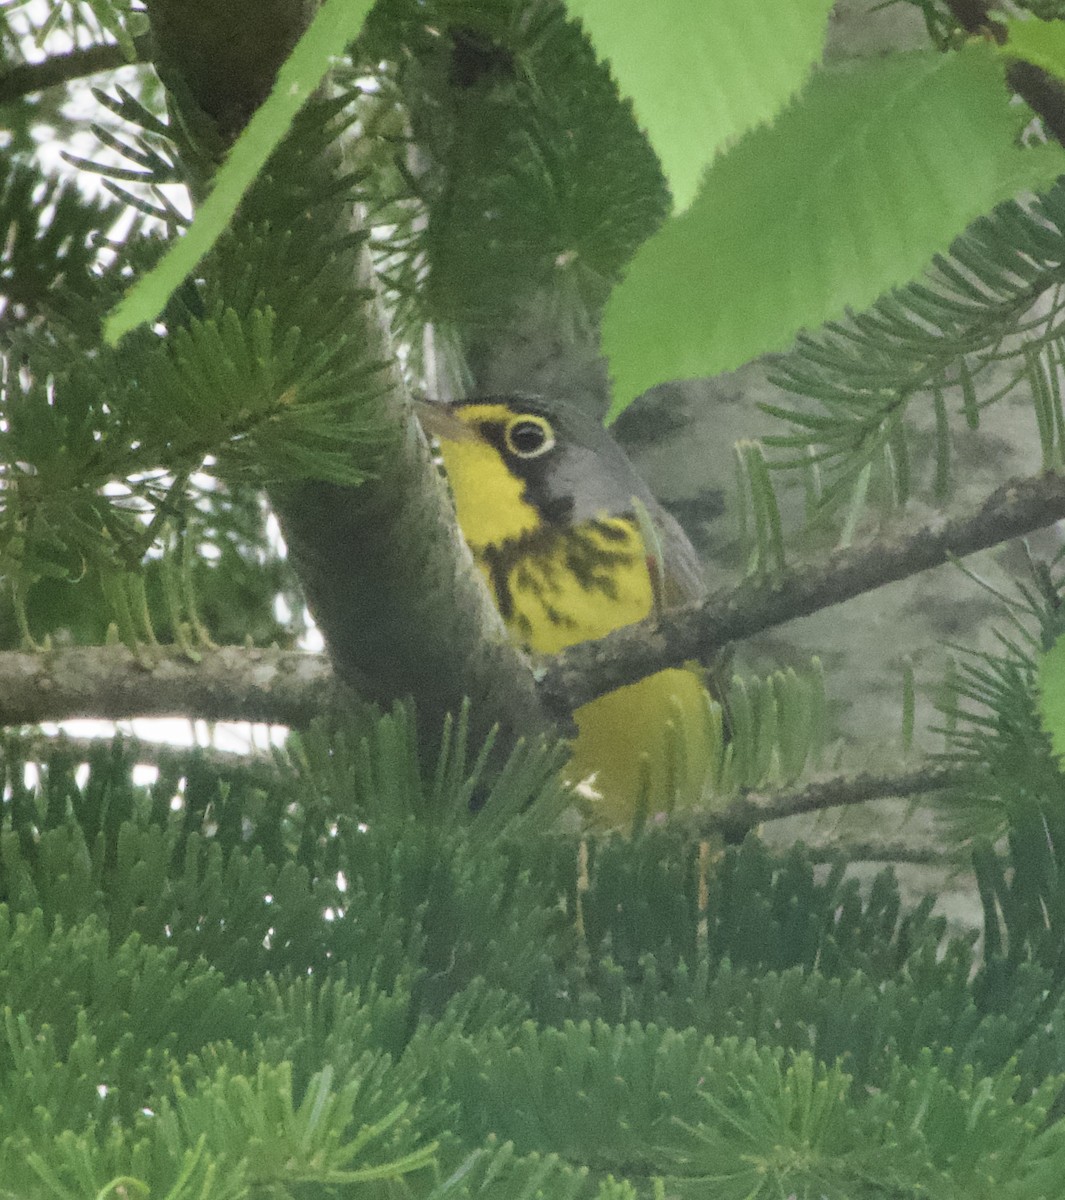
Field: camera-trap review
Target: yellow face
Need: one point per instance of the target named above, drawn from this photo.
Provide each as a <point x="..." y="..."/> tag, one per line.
<point x="489" y="498"/>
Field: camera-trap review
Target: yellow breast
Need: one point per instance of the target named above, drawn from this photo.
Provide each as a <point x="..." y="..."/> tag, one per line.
<point x="556" y="587"/>
<point x="579" y="584"/>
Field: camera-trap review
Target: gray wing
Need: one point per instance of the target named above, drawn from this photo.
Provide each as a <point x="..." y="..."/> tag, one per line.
<point x="683" y="567"/>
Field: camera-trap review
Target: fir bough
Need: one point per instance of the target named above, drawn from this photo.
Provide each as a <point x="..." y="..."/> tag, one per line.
<point x="216" y="987"/>
<point x="992" y="304"/>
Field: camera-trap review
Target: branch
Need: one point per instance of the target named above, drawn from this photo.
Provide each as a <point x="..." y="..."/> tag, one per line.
<point x="43" y="687"/>
<point x="749" y="811"/>
<point x="108" y="682"/>
<point x="698" y="631"/>
<point x="27" y="78"/>
<point x="897" y="853"/>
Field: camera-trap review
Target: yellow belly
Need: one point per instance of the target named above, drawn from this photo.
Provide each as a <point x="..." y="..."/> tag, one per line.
<point x="649" y="744"/>
<point x="646" y="747"/>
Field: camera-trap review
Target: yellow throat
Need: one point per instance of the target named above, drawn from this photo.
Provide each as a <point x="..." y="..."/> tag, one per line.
<point x="564" y="567"/>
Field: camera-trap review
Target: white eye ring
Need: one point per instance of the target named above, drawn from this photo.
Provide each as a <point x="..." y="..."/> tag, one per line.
<point x="529" y="436"/>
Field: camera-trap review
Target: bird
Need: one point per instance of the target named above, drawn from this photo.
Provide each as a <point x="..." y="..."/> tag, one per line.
<point x="573" y="545"/>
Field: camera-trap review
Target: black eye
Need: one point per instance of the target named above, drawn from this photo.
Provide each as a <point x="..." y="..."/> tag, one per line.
<point x="529" y="437"/>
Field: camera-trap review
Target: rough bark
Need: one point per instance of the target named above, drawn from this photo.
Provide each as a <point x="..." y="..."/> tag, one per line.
<point x="110" y="683"/>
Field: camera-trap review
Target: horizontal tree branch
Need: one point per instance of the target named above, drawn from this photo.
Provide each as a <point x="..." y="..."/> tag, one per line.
<point x="753" y="809"/>
<point x="27" y="78"/>
<point x="697" y="632"/>
<point x="110" y="683"/>
<point x="891" y="853"/>
<point x="888" y="853"/>
<point x="291" y="687"/>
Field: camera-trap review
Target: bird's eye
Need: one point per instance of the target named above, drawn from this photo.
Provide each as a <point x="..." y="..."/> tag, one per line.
<point x="529" y="437"/>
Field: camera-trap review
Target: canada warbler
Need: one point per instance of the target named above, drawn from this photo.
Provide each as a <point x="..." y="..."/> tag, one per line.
<point x="558" y="521"/>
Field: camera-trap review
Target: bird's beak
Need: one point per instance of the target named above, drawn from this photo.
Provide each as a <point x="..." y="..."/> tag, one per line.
<point x="439" y="421"/>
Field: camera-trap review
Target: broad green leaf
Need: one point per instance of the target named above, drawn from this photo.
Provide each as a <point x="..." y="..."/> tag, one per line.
<point x="1052" y="695"/>
<point x="850" y="192"/>
<point x="700" y="75"/>
<point x="336" y="23"/>
<point x="1038" y="42"/>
